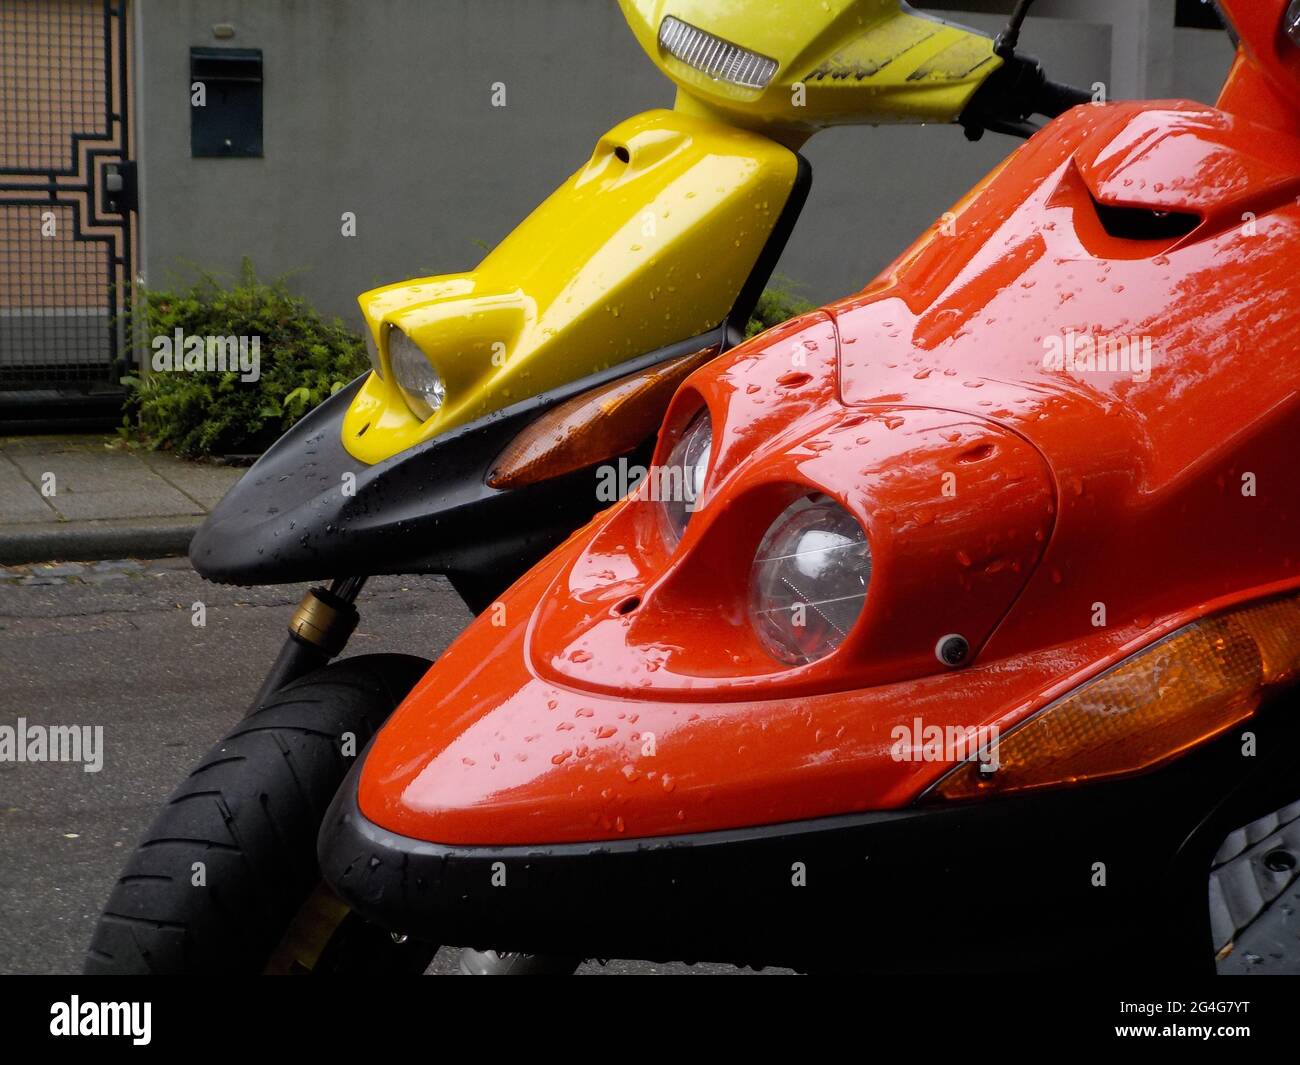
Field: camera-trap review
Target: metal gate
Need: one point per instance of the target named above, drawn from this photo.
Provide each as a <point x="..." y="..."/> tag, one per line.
<point x="66" y="196"/>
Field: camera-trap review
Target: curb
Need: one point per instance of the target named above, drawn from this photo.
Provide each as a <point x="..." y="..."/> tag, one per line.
<point x="90" y="541"/>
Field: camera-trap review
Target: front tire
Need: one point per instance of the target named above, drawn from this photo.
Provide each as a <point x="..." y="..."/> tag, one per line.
<point x="226" y="880"/>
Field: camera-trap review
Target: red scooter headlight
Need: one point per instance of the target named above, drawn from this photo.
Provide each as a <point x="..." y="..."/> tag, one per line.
<point x="809" y="580"/>
<point x="679" y="482"/>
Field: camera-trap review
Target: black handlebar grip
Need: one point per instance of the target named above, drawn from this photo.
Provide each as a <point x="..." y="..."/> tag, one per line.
<point x="1055" y="99"/>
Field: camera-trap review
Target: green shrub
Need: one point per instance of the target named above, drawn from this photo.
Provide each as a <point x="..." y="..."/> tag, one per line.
<point x="303" y="359"/>
<point x="777" y="304"/>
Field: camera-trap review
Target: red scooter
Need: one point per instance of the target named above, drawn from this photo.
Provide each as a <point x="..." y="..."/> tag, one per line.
<point x="976" y="647"/>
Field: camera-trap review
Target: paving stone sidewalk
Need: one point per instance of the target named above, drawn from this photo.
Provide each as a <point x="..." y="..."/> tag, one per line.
<point x="83" y="498"/>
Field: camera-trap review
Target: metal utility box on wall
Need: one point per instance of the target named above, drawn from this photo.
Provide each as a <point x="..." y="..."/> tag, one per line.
<point x="225" y="102"/>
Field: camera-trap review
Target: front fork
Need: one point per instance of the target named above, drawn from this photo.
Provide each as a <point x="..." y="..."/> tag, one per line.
<point x="318" y="631"/>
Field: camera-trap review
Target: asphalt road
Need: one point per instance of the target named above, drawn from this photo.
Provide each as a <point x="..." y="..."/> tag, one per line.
<point x="113" y="644"/>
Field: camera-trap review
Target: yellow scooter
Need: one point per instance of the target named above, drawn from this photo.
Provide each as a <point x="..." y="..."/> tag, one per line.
<point x="495" y="400"/>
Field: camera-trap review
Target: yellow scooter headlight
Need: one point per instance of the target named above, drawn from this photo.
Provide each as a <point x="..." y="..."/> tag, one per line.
<point x="420" y="383"/>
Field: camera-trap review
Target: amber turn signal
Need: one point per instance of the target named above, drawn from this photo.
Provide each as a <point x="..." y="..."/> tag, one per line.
<point x="1185" y="689"/>
<point x="600" y="424"/>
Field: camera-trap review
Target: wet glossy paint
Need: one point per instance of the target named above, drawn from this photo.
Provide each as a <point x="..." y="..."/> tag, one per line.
<point x="1162" y="491"/>
<point x="1265" y="82"/>
<point x="650" y="243"/>
<point x="839" y="62"/>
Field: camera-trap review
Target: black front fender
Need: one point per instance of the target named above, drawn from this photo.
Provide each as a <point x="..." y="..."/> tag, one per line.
<point x="308" y="510"/>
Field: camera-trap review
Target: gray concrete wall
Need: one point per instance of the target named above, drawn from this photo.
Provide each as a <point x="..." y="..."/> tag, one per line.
<point x="383" y="108"/>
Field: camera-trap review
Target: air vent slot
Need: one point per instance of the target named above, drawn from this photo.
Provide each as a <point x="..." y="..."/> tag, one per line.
<point x="1143" y="223"/>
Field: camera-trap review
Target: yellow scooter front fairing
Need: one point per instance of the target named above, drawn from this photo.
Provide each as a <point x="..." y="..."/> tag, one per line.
<point x="498" y="394"/>
<point x="651" y="242"/>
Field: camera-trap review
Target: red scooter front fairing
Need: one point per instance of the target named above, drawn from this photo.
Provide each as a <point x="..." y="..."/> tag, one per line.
<point x="1064" y="422"/>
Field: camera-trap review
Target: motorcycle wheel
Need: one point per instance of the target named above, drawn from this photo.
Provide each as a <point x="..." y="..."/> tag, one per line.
<point x="226" y="880"/>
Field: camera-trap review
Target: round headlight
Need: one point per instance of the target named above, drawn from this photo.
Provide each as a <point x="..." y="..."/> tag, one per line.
<point x="681" y="478"/>
<point x="415" y="375"/>
<point x="809" y="580"/>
